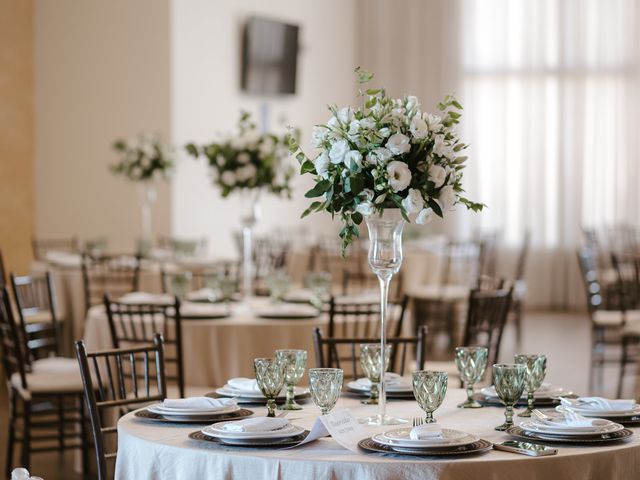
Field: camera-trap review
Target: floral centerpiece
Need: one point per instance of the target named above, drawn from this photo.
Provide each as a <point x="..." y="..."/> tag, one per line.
<point x="387" y="162"/>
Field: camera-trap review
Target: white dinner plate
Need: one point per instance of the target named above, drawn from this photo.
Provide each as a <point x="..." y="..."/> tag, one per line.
<point x="292" y="310"/>
<point x="143" y="298"/>
<point x="354" y="385"/>
<point x="531" y="426"/>
<point x="227" y="391"/>
<point x="400" y="438"/>
<point x="591" y="412"/>
<point x="217" y="431"/>
<point x="546" y="391"/>
<point x="160" y="410"/>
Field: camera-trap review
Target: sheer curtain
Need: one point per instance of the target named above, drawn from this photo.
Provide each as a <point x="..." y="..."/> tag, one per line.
<point x="551" y="93"/>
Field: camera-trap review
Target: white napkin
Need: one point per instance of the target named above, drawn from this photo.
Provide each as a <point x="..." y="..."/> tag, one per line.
<point x="257" y="425"/>
<point x="199" y="403"/>
<point x="64" y="259"/>
<point x="244" y="384"/>
<point x="390" y="380"/>
<point x="600" y="403"/>
<point x="569" y="419"/>
<point x="426" y="432"/>
<point x="144" y="297"/>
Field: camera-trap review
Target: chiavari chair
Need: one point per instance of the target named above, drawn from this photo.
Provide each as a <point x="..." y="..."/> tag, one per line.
<point x="113" y="275"/>
<point x="41" y="246"/>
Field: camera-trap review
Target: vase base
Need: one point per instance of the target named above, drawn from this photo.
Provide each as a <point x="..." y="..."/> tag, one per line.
<point x="380" y="420"/>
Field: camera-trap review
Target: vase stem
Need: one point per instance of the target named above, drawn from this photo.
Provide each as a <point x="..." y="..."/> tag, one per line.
<point x="382" y="390"/>
<point x="247" y="261"/>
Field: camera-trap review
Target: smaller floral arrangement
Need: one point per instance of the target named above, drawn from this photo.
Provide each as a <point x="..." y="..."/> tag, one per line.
<point x="248" y="160"/>
<point x="143" y="159"/>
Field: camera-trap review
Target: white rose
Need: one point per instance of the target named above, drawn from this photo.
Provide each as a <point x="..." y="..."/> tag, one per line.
<point x="318" y="134"/>
<point x="228" y="178"/>
<point x="338" y="151"/>
<point x="447" y="198"/>
<point x="434" y="122"/>
<point x="379" y="155"/>
<point x="439" y="146"/>
<point x="414" y="202"/>
<point x="399" y="175"/>
<point x="321" y="164"/>
<point x="243" y="158"/>
<point x="398" y="144"/>
<point x="365" y="208"/>
<point x="367" y="194"/>
<point x="437" y="175"/>
<point x="353" y="157"/>
<point x="418" y="128"/>
<point x="345" y="115"/>
<point x="425" y="216"/>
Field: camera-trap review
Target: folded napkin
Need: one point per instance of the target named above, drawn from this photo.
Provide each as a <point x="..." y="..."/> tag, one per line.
<point x="64" y="259"/>
<point x="426" y="432"/>
<point x="599" y="403"/>
<point x="390" y="380"/>
<point x="569" y="418"/>
<point x="244" y="384"/>
<point x="257" y="425"/>
<point x="144" y="297"/>
<point x="198" y="403"/>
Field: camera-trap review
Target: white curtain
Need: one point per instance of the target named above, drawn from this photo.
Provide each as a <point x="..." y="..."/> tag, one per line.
<point x="551" y="92"/>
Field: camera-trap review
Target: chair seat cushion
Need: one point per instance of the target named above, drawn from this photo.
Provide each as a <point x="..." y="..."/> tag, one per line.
<point x="50" y="382"/>
<point x="447" y="293"/>
<point x="614" y="318"/>
<point x="56" y="365"/>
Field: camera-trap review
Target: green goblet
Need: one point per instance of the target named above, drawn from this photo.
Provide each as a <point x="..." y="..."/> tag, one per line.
<point x="270" y="378"/>
<point x="295" y="361"/>
<point x="536" y="366"/>
<point x="509" y="381"/>
<point x="429" y="388"/>
<point x="471" y="363"/>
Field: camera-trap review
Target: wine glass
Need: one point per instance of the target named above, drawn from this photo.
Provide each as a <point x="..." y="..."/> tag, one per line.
<point x="181" y="283"/>
<point x="295" y="361"/>
<point x="320" y="284"/>
<point x="278" y="284"/>
<point x="536" y="366"/>
<point x="370" y="359"/>
<point x="270" y="378"/>
<point x="471" y="363"/>
<point x="509" y="381"/>
<point x="429" y="388"/>
<point x="325" y="385"/>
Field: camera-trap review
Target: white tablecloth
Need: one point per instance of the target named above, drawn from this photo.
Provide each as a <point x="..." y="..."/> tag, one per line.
<point x="163" y="451"/>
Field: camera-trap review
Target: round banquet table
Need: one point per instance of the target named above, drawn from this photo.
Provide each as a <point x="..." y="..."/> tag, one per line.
<point x="148" y="449"/>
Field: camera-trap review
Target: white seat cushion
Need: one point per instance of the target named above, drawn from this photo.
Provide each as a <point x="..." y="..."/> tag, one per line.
<point x="614" y="318"/>
<point x="50" y="382"/>
<point x="447" y="293"/>
<point x="56" y="365"/>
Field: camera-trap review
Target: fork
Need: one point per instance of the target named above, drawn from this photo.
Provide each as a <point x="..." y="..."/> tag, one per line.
<point x="417" y="421"/>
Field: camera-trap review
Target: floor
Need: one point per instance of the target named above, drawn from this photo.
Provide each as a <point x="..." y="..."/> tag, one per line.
<point x="564" y="337"/>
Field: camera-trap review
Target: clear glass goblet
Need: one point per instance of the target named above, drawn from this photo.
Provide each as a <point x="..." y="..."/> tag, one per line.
<point x="228" y="286"/>
<point x="509" y="381"/>
<point x="278" y="284"/>
<point x="471" y="363"/>
<point x="325" y="385"/>
<point x="370" y="359"/>
<point x="270" y="378"/>
<point x="320" y="285"/>
<point x="181" y="283"/>
<point x="429" y="388"/>
<point x="295" y="362"/>
<point x="536" y="366"/>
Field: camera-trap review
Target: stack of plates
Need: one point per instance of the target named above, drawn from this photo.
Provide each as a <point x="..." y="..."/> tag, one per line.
<point x="396" y="387"/>
<point x="182" y="415"/>
<point x="288" y="311"/>
<point x="629" y="416"/>
<point x="255" y="396"/>
<point x="191" y="310"/>
<point x="283" y="436"/>
<point x="556" y="429"/>
<point x="546" y="395"/>
<point x="144" y="298"/>
<point x="451" y="442"/>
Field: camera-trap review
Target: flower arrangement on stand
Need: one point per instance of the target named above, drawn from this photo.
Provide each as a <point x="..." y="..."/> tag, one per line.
<point x="248" y="162"/>
<point x="387" y="162"/>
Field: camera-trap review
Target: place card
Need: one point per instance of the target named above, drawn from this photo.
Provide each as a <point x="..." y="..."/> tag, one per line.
<point x="341" y="425"/>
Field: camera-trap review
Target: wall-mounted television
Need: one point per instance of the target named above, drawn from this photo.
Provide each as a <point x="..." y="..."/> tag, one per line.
<point x="269" y="56"/>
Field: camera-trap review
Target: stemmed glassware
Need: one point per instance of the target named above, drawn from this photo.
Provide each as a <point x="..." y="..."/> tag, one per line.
<point x="429" y="388"/>
<point x="320" y="284"/>
<point x="536" y="366"/>
<point x="295" y="361"/>
<point x="270" y="378"/>
<point x="181" y="283"/>
<point x="370" y="358"/>
<point x="325" y="385"/>
<point x="278" y="284"/>
<point x="471" y="363"/>
<point x="509" y="381"/>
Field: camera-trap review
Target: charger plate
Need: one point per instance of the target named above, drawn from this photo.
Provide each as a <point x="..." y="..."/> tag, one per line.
<point x="275" y="443"/>
<point x="598" y="438"/>
<point x="237" y="415"/>
<point x="479" y="446"/>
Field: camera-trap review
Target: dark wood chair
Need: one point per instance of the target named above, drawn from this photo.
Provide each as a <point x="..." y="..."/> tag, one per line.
<point x="199" y="277"/>
<point x="113" y="275"/>
<point x="46" y="411"/>
<point x="116" y="381"/>
<point x="326" y="350"/>
<point x="627" y="268"/>
<point x="137" y="325"/>
<point x="630" y="355"/>
<point x="3" y="272"/>
<point x="34" y="298"/>
<point x="41" y="246"/>
<point x="520" y="286"/>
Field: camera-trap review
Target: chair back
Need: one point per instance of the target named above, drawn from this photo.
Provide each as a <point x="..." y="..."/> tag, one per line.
<point x="488" y="254"/>
<point x="402" y="349"/>
<point x="627" y="267"/>
<point x="486" y="318"/>
<point x="137" y="325"/>
<point x="41" y="246"/>
<point x="115" y="380"/>
<point x="363" y="319"/>
<point x="34" y="298"/>
<point x="461" y="263"/>
<point x="200" y="278"/>
<point x="3" y="272"/>
<point x="13" y="357"/>
<point x="113" y="275"/>
<point x="521" y="263"/>
<point x="589" y="269"/>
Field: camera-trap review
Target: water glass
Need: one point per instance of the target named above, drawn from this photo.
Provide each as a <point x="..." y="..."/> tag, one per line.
<point x="181" y="283"/>
<point x="228" y="286"/>
<point x="429" y="388"/>
<point x="270" y="378"/>
<point x="295" y="362"/>
<point x="509" y="381"/>
<point x="278" y="284"/>
<point x="471" y="363"/>
<point x="325" y="385"/>
<point x="320" y="285"/>
<point x="370" y="360"/>
<point x="536" y="366"/>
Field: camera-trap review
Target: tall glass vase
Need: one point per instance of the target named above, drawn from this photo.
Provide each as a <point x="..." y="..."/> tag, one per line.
<point x="250" y="205"/>
<point x="147" y="196"/>
<point x="385" y="259"/>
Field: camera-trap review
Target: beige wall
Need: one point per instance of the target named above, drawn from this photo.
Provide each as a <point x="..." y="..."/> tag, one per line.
<point x="102" y="72"/>
<point x="16" y="132"/>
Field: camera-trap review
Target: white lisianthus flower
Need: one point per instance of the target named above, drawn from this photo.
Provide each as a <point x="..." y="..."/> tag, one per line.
<point x="333" y="123"/>
<point x="321" y="163"/>
<point x="378" y="155"/>
<point x="267" y="146"/>
<point x="220" y="160"/>
<point x="437" y="175"/>
<point x="414" y="201"/>
<point x="399" y="175"/>
<point x="238" y="143"/>
<point x="145" y="162"/>
<point x="345" y="115"/>
<point x="365" y="208"/>
<point x="353" y="157"/>
<point x="434" y="122"/>
<point x="412" y="102"/>
<point x="246" y="172"/>
<point x="398" y="144"/>
<point x="439" y="146"/>
<point x="368" y="123"/>
<point x="243" y="158"/>
<point x="447" y="198"/>
<point x="354" y="127"/>
<point x="251" y="138"/>
<point x="338" y="151"/>
<point x="228" y="178"/>
<point x="418" y="128"/>
<point x="367" y="194"/>
<point x="135" y="172"/>
<point x="318" y="135"/>
<point x="425" y="216"/>
<point x="384" y="132"/>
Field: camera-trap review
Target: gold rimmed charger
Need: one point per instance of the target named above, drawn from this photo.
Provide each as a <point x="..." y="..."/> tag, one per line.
<point x="236" y="415"/>
<point x="479" y="446"/>
<point x="577" y="439"/>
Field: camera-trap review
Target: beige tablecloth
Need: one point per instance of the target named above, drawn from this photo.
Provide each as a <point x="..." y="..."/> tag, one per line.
<point x="163" y="451"/>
